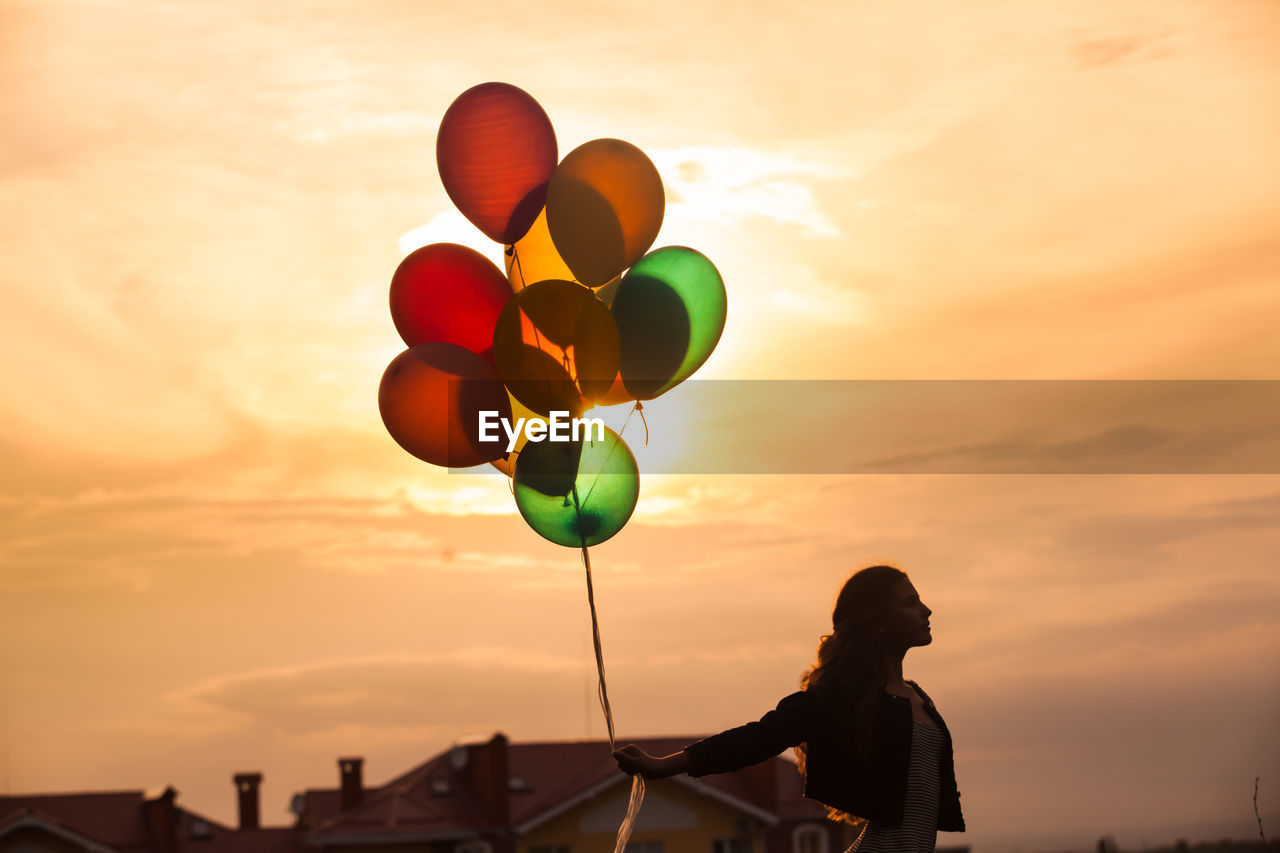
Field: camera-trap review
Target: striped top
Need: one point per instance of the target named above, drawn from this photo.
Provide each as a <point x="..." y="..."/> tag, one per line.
<point x="919" y="828"/>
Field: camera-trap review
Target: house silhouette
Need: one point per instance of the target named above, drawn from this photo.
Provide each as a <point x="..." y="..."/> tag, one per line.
<point x="485" y="796"/>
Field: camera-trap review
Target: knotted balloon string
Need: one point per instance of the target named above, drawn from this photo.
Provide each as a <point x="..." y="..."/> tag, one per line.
<point x="515" y="262"/>
<point x="602" y="691"/>
<point x="640" y="408"/>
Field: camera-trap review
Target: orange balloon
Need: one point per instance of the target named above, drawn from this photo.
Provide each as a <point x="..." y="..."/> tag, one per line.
<point x="431" y="397"/>
<point x="604" y="208"/>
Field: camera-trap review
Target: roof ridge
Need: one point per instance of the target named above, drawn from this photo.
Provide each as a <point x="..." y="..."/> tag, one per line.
<point x="61" y="795"/>
<point x="194" y="815"/>
<point x="421" y="767"/>
<point x="27" y="812"/>
<point x="618" y="739"/>
<point x="389" y="792"/>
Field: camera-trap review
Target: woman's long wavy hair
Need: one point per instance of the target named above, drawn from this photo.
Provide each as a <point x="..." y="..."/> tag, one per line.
<point x="852" y="658"/>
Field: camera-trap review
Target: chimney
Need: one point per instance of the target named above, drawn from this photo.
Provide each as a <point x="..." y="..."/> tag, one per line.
<point x="489" y="770"/>
<point x="247" y="791"/>
<point x="162" y="821"/>
<point x="351" y="771"/>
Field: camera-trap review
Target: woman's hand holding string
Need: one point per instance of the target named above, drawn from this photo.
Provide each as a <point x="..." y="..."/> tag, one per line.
<point x="632" y="760"/>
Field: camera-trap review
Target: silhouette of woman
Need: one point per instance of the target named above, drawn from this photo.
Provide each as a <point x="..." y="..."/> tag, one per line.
<point x="872" y="746"/>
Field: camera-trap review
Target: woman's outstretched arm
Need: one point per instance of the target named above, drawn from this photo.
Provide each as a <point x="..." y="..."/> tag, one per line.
<point x="787" y="725"/>
<point x="632" y="759"/>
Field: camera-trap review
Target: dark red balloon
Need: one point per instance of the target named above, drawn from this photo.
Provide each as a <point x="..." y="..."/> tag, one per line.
<point x="431" y="397"/>
<point x="451" y="294"/>
<point x="496" y="151"/>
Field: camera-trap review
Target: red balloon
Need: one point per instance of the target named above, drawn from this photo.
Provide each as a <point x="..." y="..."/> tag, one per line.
<point x="448" y="293"/>
<point x="496" y="151"/>
<point x="431" y="397"/>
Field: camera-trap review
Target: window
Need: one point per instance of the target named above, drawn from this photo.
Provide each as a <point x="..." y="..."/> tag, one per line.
<point x="731" y="845"/>
<point x="644" y="847"/>
<point x="809" y="839"/>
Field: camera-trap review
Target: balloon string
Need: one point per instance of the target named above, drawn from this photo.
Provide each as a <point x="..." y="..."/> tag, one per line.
<point x="537" y="335"/>
<point x="605" y="464"/>
<point x="602" y="690"/>
<point x="515" y="262"/>
<point x="640" y="408"/>
<point x="570" y="369"/>
<point x="637" y="781"/>
<point x="633" y="812"/>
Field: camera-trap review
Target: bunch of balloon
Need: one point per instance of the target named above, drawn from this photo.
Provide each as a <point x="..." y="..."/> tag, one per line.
<point x="584" y="315"/>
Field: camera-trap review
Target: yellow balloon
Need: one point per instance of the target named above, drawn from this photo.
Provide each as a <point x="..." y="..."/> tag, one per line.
<point x="518" y="410"/>
<point x="533" y="258"/>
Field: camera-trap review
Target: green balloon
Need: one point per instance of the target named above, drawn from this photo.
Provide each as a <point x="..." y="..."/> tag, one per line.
<point x="577" y="493"/>
<point x="670" y="310"/>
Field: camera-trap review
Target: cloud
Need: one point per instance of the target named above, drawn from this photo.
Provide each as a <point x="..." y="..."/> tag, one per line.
<point x="667" y="501"/>
<point x="450" y="226"/>
<point x="457" y="689"/>
<point x="1105" y="50"/>
<point x="728" y="184"/>
<point x="469" y="689"/>
<point x="104" y="536"/>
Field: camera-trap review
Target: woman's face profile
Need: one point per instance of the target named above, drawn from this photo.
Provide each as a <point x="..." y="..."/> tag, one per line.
<point x="906" y="619"/>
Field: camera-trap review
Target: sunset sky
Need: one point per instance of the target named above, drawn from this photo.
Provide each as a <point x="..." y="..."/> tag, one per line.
<point x="215" y="560"/>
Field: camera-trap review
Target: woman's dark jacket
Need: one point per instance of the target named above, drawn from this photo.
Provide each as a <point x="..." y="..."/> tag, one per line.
<point x="871" y="786"/>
